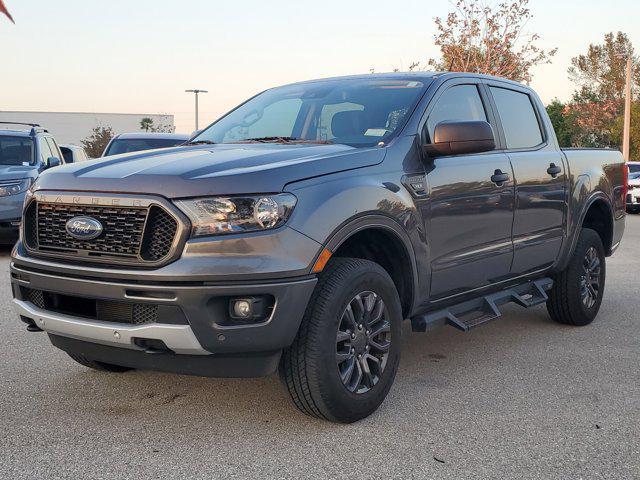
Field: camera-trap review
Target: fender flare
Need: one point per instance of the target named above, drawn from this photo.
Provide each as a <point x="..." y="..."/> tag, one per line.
<point x="577" y="226"/>
<point x="379" y="221"/>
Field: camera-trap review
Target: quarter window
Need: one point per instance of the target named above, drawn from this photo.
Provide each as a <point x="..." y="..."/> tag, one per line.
<point x="519" y="119"/>
<point x="459" y="103"/>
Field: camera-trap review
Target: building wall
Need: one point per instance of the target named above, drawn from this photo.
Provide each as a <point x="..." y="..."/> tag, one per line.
<point x="72" y="127"/>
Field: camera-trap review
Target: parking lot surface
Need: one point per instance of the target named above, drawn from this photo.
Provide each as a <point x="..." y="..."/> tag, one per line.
<point x="521" y="397"/>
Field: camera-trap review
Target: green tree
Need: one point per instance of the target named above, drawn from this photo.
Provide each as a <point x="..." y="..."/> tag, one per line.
<point x="600" y="73"/>
<point x="563" y="122"/>
<point x="618" y="130"/>
<point x="97" y="141"/>
<point x="146" y="124"/>
<point x="598" y="101"/>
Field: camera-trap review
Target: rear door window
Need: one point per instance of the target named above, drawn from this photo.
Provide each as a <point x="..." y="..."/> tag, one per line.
<point x="519" y="119"/>
<point x="458" y="103"/>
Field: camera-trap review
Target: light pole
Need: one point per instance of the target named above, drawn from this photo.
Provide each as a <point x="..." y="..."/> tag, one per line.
<point x="626" y="137"/>
<point x="197" y="92"/>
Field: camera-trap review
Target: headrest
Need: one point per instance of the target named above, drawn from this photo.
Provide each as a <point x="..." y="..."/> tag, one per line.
<point x="349" y="123"/>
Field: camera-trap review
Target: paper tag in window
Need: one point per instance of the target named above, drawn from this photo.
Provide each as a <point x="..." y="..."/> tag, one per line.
<point x="376" y="132"/>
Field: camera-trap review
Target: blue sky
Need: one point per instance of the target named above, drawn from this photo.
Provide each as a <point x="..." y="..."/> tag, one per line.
<point x="140" y="55"/>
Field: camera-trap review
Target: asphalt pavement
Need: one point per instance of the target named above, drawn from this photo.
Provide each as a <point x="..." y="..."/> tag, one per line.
<point x="521" y="397"/>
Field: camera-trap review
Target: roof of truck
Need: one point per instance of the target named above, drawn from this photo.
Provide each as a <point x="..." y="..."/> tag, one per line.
<point x="409" y="76"/>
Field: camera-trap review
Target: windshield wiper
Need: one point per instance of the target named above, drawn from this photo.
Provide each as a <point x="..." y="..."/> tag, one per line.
<point x="200" y="142"/>
<point x="281" y="140"/>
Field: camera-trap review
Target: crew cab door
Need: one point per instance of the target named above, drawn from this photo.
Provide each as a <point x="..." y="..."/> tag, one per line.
<point x="470" y="212"/>
<point x="540" y="178"/>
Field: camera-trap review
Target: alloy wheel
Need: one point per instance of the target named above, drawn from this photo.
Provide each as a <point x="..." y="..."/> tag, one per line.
<point x="362" y="342"/>
<point x="591" y="278"/>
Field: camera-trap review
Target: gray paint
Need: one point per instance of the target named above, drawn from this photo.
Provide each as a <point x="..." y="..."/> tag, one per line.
<point x="464" y="234"/>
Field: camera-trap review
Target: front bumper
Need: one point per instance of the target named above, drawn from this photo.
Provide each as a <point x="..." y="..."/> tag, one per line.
<point x="633" y="198"/>
<point x="203" y="345"/>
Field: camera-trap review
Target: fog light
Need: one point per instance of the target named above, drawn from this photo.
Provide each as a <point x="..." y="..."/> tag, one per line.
<point x="250" y="308"/>
<point x="243" y="308"/>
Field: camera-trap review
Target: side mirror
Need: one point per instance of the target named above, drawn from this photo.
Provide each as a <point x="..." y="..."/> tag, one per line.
<point x="53" y="162"/>
<point x="457" y="138"/>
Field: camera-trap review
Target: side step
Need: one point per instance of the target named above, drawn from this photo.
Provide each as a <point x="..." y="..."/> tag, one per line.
<point x="473" y="313"/>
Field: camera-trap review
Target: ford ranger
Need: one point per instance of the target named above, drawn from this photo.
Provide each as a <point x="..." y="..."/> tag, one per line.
<point x="295" y="234"/>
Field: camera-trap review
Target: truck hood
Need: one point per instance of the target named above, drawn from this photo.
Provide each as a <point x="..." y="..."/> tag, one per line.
<point x="208" y="170"/>
<point x="17" y="172"/>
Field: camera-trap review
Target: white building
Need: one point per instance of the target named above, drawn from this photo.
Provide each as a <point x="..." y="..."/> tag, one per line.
<point x="72" y="127"/>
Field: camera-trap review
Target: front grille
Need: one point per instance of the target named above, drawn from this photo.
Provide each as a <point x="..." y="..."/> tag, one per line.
<point x="161" y="229"/>
<point x="132" y="234"/>
<point x="35" y="296"/>
<point x="122" y="228"/>
<point x="103" y="310"/>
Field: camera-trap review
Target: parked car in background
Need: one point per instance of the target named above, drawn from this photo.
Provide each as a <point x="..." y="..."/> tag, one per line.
<point x="634" y="167"/>
<point x="24" y="153"/>
<point x="135" y="142"/>
<point x="73" y="153"/>
<point x="633" y="195"/>
<point x="299" y="230"/>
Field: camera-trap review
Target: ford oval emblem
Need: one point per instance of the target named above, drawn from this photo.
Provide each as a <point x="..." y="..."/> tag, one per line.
<point x="84" y="228"/>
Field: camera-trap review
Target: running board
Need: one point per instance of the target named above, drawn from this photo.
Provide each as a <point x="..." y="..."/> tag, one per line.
<point x="473" y="313"/>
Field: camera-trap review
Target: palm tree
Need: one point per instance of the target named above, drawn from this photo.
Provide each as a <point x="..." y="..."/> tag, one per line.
<point x="146" y="123"/>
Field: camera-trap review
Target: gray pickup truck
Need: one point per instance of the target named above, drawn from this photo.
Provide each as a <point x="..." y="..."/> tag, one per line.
<point x="298" y="231"/>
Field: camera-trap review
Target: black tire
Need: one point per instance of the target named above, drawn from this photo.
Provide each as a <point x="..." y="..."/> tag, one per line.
<point x="95" y="365"/>
<point x="566" y="302"/>
<point x="310" y="366"/>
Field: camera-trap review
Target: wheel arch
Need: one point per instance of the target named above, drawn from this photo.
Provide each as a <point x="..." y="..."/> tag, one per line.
<point x="596" y="214"/>
<point x="380" y="239"/>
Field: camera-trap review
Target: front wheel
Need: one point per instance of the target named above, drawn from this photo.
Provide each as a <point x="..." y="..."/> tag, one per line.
<point x="577" y="291"/>
<point x="345" y="356"/>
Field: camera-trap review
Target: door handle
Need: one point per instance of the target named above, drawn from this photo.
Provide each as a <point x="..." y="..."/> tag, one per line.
<point x="554" y="170"/>
<point x="499" y="177"/>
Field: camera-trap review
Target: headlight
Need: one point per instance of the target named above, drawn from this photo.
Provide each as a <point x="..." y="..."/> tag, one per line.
<point x="14" y="187"/>
<point x="220" y="215"/>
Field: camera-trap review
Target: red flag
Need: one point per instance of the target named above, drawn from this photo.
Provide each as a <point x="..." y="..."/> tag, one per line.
<point x="4" y="10"/>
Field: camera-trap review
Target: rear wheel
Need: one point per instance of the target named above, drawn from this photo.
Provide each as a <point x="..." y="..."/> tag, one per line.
<point x="95" y="365"/>
<point x="577" y="292"/>
<point x="345" y="356"/>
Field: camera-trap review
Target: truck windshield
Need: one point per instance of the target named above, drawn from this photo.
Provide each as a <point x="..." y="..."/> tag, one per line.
<point x="138" y="144"/>
<point x="356" y="112"/>
<point x="16" y="151"/>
